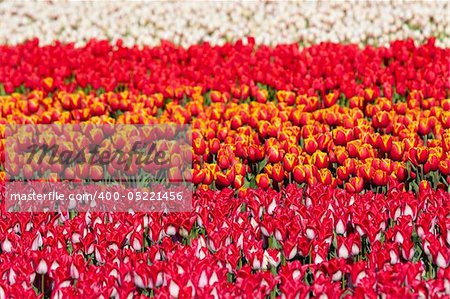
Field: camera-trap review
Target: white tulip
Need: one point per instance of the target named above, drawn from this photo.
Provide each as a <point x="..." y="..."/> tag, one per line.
<point x="191" y="22"/>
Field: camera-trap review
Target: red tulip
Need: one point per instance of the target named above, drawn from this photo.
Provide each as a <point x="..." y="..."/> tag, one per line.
<point x="355" y="185"/>
<point x="263" y="181"/>
<point x="310" y="145"/>
<point x="419" y="155"/>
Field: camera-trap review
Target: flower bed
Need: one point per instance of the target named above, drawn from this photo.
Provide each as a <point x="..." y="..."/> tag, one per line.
<point x="316" y="241"/>
<point x="318" y="171"/>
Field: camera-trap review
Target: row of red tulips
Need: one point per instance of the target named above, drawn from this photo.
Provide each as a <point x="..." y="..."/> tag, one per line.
<point x="390" y="71"/>
<point x="313" y="242"/>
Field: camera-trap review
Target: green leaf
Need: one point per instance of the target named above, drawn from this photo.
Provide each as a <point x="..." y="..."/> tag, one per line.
<point x="262" y="164"/>
<point x="207" y="99"/>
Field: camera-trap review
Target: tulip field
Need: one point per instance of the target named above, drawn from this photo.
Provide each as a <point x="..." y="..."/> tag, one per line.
<point x="320" y="169"/>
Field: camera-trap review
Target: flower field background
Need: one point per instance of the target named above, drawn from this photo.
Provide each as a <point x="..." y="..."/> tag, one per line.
<point x="321" y="147"/>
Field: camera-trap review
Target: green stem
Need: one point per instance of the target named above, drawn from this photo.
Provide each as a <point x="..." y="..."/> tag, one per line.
<point x="42" y="284"/>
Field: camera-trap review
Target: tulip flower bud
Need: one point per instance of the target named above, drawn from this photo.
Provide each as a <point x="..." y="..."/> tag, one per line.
<point x="419" y="155"/>
<point x="424" y="186"/>
<point x="312" y="103"/>
<point x="238" y="181"/>
<point x="225" y="179"/>
<point x="236" y="122"/>
<point x="295" y="116"/>
<point x="263" y="181"/>
<point x="365" y="152"/>
<point x="396" y="152"/>
<point x="355" y="185"/>
<point x="432" y="164"/>
<point x="289" y="161"/>
<point x="255" y="153"/>
<point x="262" y="95"/>
<point x="379" y="178"/>
<point x="425" y="126"/>
<point x="285" y="97"/>
<point x="277" y="173"/>
<point x="365" y="171"/>
<point x="199" y="146"/>
<point x="330" y="99"/>
<point x="384" y="143"/>
<point x="97" y="109"/>
<point x="42" y="267"/>
<point x="324" y="140"/>
<point x="369" y="94"/>
<point x="320" y="159"/>
<point x="381" y="119"/>
<point x="310" y="145"/>
<point x="445" y="119"/>
<point x="353" y="147"/>
<point x="325" y="177"/>
<point x="241" y="150"/>
<point x="209" y="177"/>
<point x="223" y="161"/>
<point x="339" y="136"/>
<point x="444" y="167"/>
<point x="299" y="174"/>
<point x="332" y="119"/>
<point x="342" y="173"/>
<point x="198" y="176"/>
<point x="356" y="102"/>
<point x="274" y="155"/>
<point x="33" y="106"/>
<point x="341" y="155"/>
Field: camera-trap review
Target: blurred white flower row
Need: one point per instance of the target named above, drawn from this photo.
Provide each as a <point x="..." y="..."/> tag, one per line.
<point x="186" y="23"/>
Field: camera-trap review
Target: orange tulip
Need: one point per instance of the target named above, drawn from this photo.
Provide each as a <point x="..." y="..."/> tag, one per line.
<point x="425" y="125"/>
<point x="199" y="146"/>
<point x="384" y="143"/>
<point x="432" y="164"/>
<point x="365" y="151"/>
<point x="396" y="152"/>
<point x="379" y="178"/>
<point x="223" y="160"/>
<point x="255" y="153"/>
<point x="263" y="181"/>
<point x="356" y="102"/>
<point x="290" y="161"/>
<point x="238" y="181"/>
<point x="330" y="99"/>
<point x="33" y="106"/>
<point x="198" y="176"/>
<point x="355" y="185"/>
<point x="339" y="136"/>
<point x="320" y="159"/>
<point x="342" y="173"/>
<point x="325" y="177"/>
<point x="381" y="119"/>
<point x="262" y="95"/>
<point x="299" y="173"/>
<point x="225" y="179"/>
<point x="287" y="97"/>
<point x="310" y="145"/>
<point x="419" y="155"/>
<point x="277" y="173"/>
<point x="274" y="155"/>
